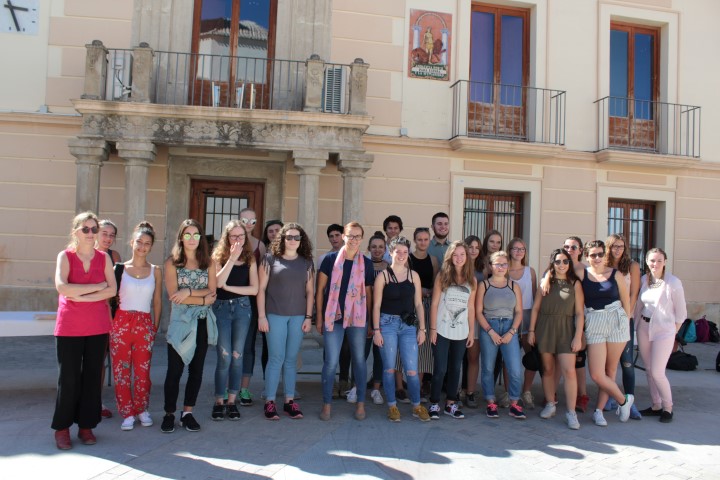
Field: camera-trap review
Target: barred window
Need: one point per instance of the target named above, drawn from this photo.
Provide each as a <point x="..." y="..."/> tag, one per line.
<point x="488" y="210"/>
<point x="636" y="221"/>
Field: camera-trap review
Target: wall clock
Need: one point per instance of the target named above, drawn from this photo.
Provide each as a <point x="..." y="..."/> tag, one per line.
<point x="19" y="16"/>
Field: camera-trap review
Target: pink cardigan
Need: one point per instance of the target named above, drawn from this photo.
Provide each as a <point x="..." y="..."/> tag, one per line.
<point x="670" y="311"/>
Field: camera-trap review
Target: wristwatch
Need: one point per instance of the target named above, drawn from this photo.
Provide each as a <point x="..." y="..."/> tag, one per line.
<point x="513" y="331"/>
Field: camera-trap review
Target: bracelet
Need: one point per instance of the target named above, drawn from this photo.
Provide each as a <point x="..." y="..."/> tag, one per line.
<point x="376" y="329"/>
<point x="487" y="330"/>
<point x="308" y="316"/>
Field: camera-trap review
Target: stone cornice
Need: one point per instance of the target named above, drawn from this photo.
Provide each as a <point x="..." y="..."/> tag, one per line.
<point x="40" y="118"/>
<point x="620" y="157"/>
<point x="505" y="147"/>
<point x="203" y="126"/>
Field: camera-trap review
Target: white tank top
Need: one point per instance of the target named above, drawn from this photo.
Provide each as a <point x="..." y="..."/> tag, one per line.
<point x="452" y="315"/>
<point x="525" y="283"/>
<point x="136" y="294"/>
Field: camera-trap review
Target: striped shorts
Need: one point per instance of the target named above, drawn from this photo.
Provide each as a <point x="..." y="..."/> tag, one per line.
<point x="609" y="325"/>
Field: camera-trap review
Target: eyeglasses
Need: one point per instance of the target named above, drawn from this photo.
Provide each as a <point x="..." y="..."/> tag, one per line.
<point x="517" y="249"/>
<point x="562" y="261"/>
<point x="248" y="221"/>
<point x="500" y="265"/>
<point x="596" y="255"/>
<point x="570" y="247"/>
<point x="94" y="230"/>
<point x="617" y="247"/>
<point x="194" y="236"/>
<point x="354" y="237"/>
<point x="234" y="238"/>
<point x="297" y="238"/>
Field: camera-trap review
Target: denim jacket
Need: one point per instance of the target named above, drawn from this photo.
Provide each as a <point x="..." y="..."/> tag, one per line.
<point x="182" y="330"/>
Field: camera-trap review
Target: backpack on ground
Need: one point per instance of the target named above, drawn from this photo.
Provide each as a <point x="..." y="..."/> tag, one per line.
<point x="717" y="362"/>
<point x="714" y="333"/>
<point x="684" y="335"/>
<point x="682" y="361"/>
<point x="702" y="330"/>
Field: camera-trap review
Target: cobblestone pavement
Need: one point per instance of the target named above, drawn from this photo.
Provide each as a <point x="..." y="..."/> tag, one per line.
<point x="253" y="448"/>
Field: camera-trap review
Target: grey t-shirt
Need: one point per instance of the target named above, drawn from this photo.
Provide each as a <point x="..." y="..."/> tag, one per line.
<point x="285" y="292"/>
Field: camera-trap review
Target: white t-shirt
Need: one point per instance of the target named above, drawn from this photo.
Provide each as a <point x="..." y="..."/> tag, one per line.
<point x="452" y="317"/>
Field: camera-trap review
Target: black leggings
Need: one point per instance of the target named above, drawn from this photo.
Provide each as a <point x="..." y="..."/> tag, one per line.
<point x="80" y="364"/>
<point x="195" y="371"/>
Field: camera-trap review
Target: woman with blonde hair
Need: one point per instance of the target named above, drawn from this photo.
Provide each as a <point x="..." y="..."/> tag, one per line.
<point x="133" y="328"/>
<point x="84" y="280"/>
<point x="452" y="325"/>
<point x="660" y="312"/>
<point x="237" y="281"/>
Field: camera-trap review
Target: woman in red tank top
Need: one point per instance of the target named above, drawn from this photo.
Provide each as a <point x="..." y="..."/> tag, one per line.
<point x="84" y="279"/>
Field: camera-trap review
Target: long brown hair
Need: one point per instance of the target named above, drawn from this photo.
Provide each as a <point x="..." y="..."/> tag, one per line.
<point x="448" y="275"/>
<point x="510" y="246"/>
<point x="202" y="254"/>
<point x="550" y="270"/>
<point x="625" y="261"/>
<point x="478" y="262"/>
<point x="222" y="249"/>
<point x="647" y="256"/>
<point x="277" y="247"/>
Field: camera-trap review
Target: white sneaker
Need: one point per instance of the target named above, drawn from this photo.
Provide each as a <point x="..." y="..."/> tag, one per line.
<point x="128" y="423"/>
<point x="145" y="419"/>
<point x="599" y="419"/>
<point x="351" y="395"/>
<point x="377" y="397"/>
<point x="572" y="420"/>
<point x="549" y="410"/>
<point x="623" y="411"/>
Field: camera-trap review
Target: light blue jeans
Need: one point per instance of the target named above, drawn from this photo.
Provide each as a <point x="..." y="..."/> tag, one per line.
<point x="333" y="342"/>
<point x="284" y="339"/>
<point x="511" y="357"/>
<point x="397" y="335"/>
<point x="233" y="323"/>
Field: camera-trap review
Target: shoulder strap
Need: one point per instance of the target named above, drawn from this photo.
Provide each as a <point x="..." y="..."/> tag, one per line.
<point x="486" y="282"/>
<point x="392" y="275"/>
<point x="119" y="268"/>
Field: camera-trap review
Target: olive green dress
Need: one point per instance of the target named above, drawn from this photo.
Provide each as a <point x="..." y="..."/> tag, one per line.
<point x="555" y="327"/>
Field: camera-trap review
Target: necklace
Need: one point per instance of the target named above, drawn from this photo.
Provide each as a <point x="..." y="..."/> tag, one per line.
<point x="656" y="282"/>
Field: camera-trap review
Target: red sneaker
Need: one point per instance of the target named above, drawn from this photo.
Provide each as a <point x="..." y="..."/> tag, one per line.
<point x="62" y="439"/>
<point x="86" y="436"/>
<point x="581" y="403"/>
<point x="105" y="412"/>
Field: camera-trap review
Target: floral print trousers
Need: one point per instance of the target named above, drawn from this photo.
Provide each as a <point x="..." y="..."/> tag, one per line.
<point x="131" y="342"/>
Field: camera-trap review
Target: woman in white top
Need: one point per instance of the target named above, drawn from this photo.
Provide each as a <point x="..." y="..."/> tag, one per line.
<point x="526" y="278"/>
<point x="452" y="325"/>
<point x="660" y="311"/>
<point x="133" y="329"/>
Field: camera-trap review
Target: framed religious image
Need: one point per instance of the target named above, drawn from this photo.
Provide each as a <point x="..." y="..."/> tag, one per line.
<point x="429" y="55"/>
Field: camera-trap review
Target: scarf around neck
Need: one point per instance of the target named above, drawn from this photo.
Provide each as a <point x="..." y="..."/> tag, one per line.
<point x="355" y="309"/>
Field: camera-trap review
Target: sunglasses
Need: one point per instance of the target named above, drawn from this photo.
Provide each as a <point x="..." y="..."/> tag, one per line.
<point x="596" y="255"/>
<point x="500" y="265"/>
<point x="570" y="247"/>
<point x="562" y="261"/>
<point x="94" y="230"/>
<point x="297" y="238"/>
<point x="188" y="236"/>
<point x="248" y="221"/>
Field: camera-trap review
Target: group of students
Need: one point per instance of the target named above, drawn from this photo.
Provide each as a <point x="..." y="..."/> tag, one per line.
<point x="430" y="313"/>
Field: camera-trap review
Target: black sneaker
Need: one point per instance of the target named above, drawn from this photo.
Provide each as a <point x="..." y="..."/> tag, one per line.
<point x="189" y="422"/>
<point x="218" y="412"/>
<point x="292" y="409"/>
<point x="649" y="412"/>
<point x="453" y="410"/>
<point x="434" y="411"/>
<point x="271" y="411"/>
<point x="492" y="411"/>
<point x="666" y="417"/>
<point x="168" y="423"/>
<point x="401" y="396"/>
<point x="516" y="411"/>
<point x="232" y="412"/>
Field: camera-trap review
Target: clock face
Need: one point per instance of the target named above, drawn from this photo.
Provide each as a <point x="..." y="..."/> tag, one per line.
<point x="19" y="16"/>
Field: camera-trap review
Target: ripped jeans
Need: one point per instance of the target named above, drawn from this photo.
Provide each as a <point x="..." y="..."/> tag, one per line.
<point x="626" y="362"/>
<point x="233" y="323"/>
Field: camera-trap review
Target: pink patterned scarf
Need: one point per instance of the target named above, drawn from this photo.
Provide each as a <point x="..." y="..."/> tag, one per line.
<point x="355" y="300"/>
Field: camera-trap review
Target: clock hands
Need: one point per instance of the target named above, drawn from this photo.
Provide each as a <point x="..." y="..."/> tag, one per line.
<point x="12" y="9"/>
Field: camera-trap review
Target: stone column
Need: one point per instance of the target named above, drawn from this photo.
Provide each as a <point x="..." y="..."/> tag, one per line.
<point x="89" y="155"/>
<point x="358" y="87"/>
<point x="353" y="167"/>
<point x="138" y="155"/>
<point x="312" y="101"/>
<point x="309" y="163"/>
<point x="142" y="73"/>
<point x="95" y="71"/>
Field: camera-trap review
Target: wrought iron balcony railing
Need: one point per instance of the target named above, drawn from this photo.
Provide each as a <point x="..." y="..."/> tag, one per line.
<point x="648" y="126"/>
<point x="508" y="112"/>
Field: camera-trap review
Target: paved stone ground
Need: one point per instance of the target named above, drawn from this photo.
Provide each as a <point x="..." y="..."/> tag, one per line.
<point x="254" y="448"/>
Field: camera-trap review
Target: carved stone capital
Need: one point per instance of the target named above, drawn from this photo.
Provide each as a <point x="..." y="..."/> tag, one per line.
<point x="310" y="162"/>
<point x="355" y="163"/>
<point x="89" y="151"/>
<point x="137" y="152"/>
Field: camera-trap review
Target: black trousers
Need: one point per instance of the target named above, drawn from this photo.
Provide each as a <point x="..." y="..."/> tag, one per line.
<point x="195" y="371"/>
<point x="80" y="365"/>
<point x="448" y="355"/>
